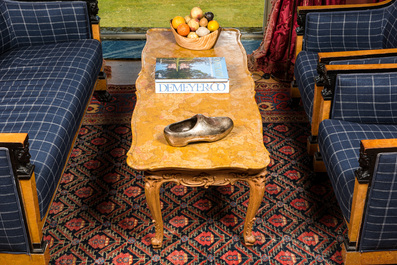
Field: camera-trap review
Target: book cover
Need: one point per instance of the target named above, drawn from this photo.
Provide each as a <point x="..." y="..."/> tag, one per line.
<point x="191" y="75"/>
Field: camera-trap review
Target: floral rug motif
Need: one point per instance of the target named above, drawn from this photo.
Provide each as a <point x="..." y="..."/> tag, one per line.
<point x="100" y="216"/>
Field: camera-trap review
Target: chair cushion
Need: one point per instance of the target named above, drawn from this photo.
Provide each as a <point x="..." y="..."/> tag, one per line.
<point x="339" y="143"/>
<point x="305" y="73"/>
<point x="44" y="90"/>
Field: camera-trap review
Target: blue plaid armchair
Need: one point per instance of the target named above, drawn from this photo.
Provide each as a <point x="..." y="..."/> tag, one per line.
<point x="49" y="66"/>
<point x="337" y="35"/>
<point x="359" y="148"/>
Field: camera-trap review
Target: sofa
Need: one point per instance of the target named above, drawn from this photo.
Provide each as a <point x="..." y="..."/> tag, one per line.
<point x="49" y="66"/>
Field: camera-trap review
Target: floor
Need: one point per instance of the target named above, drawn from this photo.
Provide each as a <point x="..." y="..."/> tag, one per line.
<point x="123" y="72"/>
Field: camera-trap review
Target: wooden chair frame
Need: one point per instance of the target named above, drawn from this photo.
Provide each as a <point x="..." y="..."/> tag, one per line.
<point x="326" y="57"/>
<point x="369" y="150"/>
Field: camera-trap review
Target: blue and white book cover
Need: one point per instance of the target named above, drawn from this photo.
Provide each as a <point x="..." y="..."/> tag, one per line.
<point x="198" y="69"/>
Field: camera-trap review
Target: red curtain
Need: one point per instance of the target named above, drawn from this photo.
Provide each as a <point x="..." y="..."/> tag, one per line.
<point x="274" y="56"/>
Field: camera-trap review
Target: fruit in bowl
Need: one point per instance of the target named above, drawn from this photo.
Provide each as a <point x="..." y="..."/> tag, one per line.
<point x="196" y="12"/>
<point x="196" y="31"/>
<point x="195" y="20"/>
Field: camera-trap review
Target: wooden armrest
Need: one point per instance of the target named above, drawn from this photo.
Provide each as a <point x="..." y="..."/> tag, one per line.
<point x="384" y="144"/>
<point x="13" y="139"/>
<point x="369" y="149"/>
<point x="359" y="68"/>
<point x="18" y="145"/>
<point x="326" y="57"/>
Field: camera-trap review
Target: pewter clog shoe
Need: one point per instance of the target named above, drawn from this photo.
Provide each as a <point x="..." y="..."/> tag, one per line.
<point x="198" y="128"/>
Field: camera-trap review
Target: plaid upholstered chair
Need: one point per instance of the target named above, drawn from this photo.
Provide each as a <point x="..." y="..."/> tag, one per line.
<point x="336" y="35"/>
<point x="359" y="148"/>
<point x="49" y="67"/>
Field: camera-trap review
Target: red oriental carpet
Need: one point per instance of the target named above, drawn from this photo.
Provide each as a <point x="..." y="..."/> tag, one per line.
<point x="100" y="216"/>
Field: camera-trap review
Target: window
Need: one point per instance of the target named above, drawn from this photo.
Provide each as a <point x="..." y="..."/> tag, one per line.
<point x="136" y="16"/>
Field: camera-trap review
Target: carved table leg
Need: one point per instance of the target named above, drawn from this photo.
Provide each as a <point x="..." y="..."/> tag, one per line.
<point x="257" y="190"/>
<point x="152" y="192"/>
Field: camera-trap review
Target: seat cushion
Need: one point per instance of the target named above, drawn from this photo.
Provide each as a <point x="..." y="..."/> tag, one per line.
<point x="305" y="74"/>
<point x="339" y="143"/>
<point x="44" y="90"/>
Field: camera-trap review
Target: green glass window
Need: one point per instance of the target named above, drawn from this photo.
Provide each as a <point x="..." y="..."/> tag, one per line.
<point x="138" y="15"/>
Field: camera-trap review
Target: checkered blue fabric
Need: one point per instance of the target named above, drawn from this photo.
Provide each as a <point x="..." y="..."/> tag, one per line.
<point x="344" y="31"/>
<point x="390" y="27"/>
<point x="305" y="71"/>
<point x="366" y="98"/>
<point x="380" y="223"/>
<point x="339" y="143"/>
<point x="12" y="229"/>
<point x="43" y="91"/>
<point x="48" y="68"/>
<point x="36" y="23"/>
<point x="5" y="34"/>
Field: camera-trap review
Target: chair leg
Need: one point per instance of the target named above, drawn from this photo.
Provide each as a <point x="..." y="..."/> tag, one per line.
<point x="294" y="90"/>
<point x="101" y="92"/>
<point x="373" y="258"/>
<point x="22" y="259"/>
<point x="312" y="145"/>
<point x="318" y="163"/>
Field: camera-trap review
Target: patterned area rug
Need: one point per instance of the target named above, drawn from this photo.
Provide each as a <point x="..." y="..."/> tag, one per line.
<point x="100" y="215"/>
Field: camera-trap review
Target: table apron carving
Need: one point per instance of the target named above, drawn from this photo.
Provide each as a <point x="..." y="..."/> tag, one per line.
<point x="154" y="180"/>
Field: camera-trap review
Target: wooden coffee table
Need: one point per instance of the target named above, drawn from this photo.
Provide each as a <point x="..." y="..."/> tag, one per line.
<point x="240" y="156"/>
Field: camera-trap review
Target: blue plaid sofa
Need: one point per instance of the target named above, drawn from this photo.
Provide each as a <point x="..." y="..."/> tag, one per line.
<point x="328" y="33"/>
<point x="359" y="148"/>
<point x="49" y="65"/>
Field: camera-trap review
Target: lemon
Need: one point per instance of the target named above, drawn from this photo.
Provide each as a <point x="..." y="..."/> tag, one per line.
<point x="213" y="25"/>
<point x="176" y="21"/>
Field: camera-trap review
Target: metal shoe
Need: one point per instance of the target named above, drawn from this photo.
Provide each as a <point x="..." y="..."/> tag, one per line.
<point x="198" y="128"/>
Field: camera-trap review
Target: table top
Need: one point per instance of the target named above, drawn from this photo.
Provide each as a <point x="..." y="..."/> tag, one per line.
<point x="242" y="149"/>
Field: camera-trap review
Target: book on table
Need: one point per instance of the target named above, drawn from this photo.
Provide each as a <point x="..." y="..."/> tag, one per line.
<point x="191" y="75"/>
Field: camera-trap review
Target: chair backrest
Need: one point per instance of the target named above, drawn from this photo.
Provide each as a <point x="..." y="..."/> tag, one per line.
<point x="366" y="98"/>
<point x="390" y="26"/>
<point x="5" y="34"/>
<point x="344" y="31"/>
<point x="27" y="23"/>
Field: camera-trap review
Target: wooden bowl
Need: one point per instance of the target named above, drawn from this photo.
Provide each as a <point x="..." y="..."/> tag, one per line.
<point x="203" y="43"/>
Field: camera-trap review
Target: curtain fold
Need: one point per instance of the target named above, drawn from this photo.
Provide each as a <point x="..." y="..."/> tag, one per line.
<point x="274" y="56"/>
